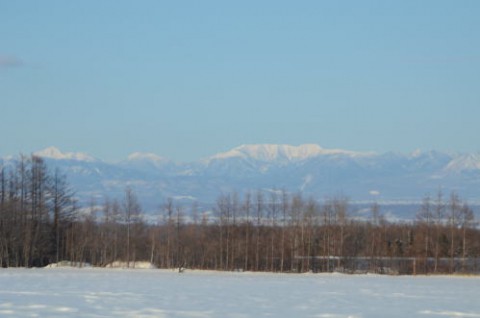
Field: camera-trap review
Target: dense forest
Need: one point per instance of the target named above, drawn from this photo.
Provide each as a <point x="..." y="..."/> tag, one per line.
<point x="42" y="223"/>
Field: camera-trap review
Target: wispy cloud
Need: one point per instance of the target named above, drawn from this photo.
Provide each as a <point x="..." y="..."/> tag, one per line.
<point x="7" y="61"/>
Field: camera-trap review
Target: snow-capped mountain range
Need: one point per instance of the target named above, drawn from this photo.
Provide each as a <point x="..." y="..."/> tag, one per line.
<point x="56" y="154"/>
<point x="281" y="153"/>
<point x="311" y="169"/>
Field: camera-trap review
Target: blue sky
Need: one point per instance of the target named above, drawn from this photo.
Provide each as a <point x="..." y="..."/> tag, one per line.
<point x="186" y="79"/>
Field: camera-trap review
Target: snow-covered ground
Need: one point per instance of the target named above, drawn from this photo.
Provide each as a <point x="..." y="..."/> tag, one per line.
<point x="91" y="292"/>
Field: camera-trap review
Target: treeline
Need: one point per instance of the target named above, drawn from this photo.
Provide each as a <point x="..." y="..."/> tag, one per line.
<point x="37" y="213"/>
<point x="41" y="223"/>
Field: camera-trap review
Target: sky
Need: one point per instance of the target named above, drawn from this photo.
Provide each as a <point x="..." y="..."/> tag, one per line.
<point x="187" y="79"/>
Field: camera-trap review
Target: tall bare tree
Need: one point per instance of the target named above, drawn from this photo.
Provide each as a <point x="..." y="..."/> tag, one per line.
<point x="439" y="214"/>
<point x="425" y="219"/>
<point x="454" y="207"/>
<point x="259" y="206"/>
<point x="467" y="221"/>
<point x="247" y="206"/>
<point x="132" y="211"/>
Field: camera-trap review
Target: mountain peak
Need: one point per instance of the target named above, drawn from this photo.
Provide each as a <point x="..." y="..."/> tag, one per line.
<point x="56" y="154"/>
<point x="416" y="153"/>
<point x="464" y="162"/>
<point x="272" y="152"/>
<point x="50" y="152"/>
<point x="146" y="156"/>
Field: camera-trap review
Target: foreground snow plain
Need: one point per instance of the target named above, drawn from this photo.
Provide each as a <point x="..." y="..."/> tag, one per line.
<point x="93" y="292"/>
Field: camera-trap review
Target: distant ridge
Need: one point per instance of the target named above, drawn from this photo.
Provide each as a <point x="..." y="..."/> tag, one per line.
<point x="308" y="168"/>
<point x="55" y="153"/>
<point x="272" y="152"/>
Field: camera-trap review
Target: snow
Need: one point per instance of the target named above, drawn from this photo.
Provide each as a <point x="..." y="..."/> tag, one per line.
<point x="137" y="265"/>
<point x="416" y="153"/>
<point x="464" y="162"/>
<point x="92" y="292"/>
<point x="274" y="152"/>
<point x="184" y="197"/>
<point x="146" y="156"/>
<point x="55" y="153"/>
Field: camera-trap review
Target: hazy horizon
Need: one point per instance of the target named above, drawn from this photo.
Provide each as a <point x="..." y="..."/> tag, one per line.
<point x="73" y="152"/>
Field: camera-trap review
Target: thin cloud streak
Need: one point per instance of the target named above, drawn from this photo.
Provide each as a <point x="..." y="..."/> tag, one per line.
<point x="10" y="61"/>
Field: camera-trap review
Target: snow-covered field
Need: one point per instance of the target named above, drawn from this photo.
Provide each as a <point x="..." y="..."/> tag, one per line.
<point x="90" y="292"/>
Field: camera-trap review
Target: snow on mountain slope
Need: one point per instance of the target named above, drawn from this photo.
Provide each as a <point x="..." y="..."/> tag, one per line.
<point x="311" y="169"/>
<point x="146" y="161"/>
<point x="281" y="153"/>
<point x="55" y="153"/>
<point x="146" y="156"/>
<point x="465" y="162"/>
